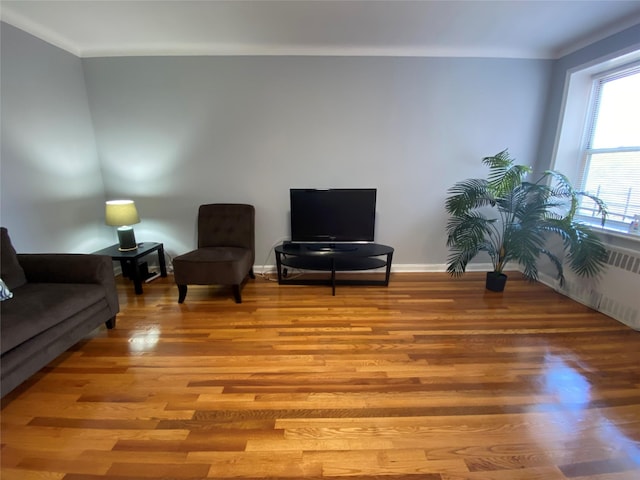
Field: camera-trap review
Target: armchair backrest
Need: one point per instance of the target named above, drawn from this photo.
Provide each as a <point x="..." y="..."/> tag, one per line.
<point x="226" y="225"/>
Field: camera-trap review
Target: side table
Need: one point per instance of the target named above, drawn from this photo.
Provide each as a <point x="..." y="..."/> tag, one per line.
<point x="129" y="260"/>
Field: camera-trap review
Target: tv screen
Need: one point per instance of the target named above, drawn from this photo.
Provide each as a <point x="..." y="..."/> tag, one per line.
<point x="333" y="215"/>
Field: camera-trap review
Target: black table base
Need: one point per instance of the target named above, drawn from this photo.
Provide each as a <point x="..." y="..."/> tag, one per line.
<point x="333" y="258"/>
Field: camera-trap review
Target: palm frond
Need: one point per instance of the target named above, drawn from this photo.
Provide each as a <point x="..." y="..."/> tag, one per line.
<point x="504" y="175"/>
<point x="467" y="195"/>
<point x="557" y="263"/>
<point x="501" y="161"/>
<point x="564" y="190"/>
<point x="587" y="254"/>
<point x="458" y="259"/>
<point x="466" y="237"/>
<point x="524" y="243"/>
<point x="468" y="230"/>
<point x="563" y="186"/>
<point x="511" y="179"/>
<point x="601" y="205"/>
<point x="559" y="226"/>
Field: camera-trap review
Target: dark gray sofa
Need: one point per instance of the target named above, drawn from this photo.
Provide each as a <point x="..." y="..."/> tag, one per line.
<point x="57" y="300"/>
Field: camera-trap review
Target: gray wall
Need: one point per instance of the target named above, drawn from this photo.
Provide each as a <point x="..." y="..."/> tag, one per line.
<point x="175" y="132"/>
<point x="51" y="188"/>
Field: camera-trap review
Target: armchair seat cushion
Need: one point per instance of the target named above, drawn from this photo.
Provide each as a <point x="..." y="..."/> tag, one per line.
<point x="36" y="307"/>
<point x="213" y="265"/>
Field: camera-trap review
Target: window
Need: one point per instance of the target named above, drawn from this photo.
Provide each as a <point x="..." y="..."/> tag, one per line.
<point x="611" y="156"/>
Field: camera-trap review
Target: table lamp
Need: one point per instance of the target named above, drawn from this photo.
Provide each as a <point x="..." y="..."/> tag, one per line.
<point x="123" y="214"/>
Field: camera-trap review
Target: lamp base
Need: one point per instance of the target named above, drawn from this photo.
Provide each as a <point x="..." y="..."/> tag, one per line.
<point x="127" y="239"/>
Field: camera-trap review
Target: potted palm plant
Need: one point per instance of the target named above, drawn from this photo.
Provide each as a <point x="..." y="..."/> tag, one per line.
<point x="512" y="219"/>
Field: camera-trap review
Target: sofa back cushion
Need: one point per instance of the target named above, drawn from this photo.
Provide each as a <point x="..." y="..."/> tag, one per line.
<point x="10" y="270"/>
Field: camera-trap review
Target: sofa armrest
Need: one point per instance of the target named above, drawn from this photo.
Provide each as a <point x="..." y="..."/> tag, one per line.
<point x="72" y="268"/>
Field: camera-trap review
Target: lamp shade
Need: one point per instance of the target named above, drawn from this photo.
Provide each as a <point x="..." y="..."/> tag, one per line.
<point x="121" y="212"/>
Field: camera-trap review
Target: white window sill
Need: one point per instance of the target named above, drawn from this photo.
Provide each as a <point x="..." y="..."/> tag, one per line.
<point x="616" y="232"/>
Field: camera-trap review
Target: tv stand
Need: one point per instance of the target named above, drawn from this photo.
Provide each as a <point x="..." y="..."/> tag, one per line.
<point x="333" y="258"/>
<point x="332" y="247"/>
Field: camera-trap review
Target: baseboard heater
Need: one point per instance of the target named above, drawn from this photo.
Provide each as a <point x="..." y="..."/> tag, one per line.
<point x="616" y="292"/>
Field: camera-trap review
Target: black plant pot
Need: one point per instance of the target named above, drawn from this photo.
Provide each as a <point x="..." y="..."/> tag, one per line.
<point x="496" y="281"/>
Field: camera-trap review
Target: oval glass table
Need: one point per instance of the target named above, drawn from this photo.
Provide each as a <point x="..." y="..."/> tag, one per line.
<point x="339" y="257"/>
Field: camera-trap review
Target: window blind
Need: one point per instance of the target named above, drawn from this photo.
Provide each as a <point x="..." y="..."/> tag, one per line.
<point x="612" y="151"/>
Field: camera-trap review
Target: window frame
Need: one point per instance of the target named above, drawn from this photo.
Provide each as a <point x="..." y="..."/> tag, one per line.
<point x="598" y="80"/>
<point x="570" y="137"/>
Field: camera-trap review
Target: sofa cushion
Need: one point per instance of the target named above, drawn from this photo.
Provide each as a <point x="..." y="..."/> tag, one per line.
<point x="10" y="270"/>
<point x="35" y="307"/>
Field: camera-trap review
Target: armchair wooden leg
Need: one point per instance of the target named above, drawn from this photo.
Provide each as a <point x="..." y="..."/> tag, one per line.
<point x="236" y="293"/>
<point x="251" y="274"/>
<point x="182" y="293"/>
<point x="111" y="323"/>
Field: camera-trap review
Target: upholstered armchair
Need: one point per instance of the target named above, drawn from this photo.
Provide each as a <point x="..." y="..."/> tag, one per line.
<point x="225" y="252"/>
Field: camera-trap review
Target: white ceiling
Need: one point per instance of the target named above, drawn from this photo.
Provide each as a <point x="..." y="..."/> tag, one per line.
<point x="454" y="28"/>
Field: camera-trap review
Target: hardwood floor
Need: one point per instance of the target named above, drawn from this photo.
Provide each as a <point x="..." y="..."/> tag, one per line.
<point x="430" y="378"/>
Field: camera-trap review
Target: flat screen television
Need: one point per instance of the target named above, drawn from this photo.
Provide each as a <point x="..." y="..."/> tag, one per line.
<point x="336" y="215"/>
